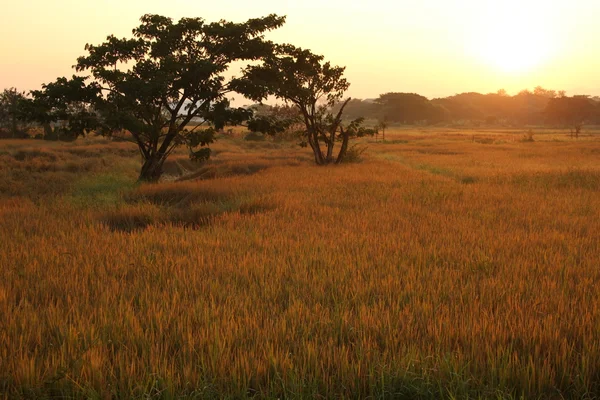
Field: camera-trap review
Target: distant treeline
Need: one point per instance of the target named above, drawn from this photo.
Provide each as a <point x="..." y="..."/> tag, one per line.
<point x="540" y="107"/>
<point x="537" y="107"/>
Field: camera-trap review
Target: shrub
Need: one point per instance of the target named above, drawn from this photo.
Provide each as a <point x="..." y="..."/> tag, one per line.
<point x="528" y="137"/>
<point x="354" y="154"/>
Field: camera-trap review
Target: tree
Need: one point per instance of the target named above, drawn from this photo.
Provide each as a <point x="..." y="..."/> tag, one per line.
<point x="63" y="108"/>
<point x="299" y="77"/>
<point x="357" y="108"/>
<point x="570" y="111"/>
<point x="11" y="117"/>
<point x="283" y="121"/>
<point x="168" y="76"/>
<point x="408" y="108"/>
<point x="540" y="91"/>
<point x="383" y="124"/>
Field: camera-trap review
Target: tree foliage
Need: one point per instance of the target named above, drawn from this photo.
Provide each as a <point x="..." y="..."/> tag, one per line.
<point x="408" y="108"/>
<point x="11" y="112"/>
<point x="572" y="112"/>
<point x="64" y="108"/>
<point x="167" y="77"/>
<point x="305" y="80"/>
<point x="282" y="121"/>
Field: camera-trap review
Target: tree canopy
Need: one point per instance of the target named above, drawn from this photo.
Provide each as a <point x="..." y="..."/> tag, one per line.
<point x="313" y="86"/>
<point x="166" y="85"/>
<point x="572" y="112"/>
<point x="11" y="115"/>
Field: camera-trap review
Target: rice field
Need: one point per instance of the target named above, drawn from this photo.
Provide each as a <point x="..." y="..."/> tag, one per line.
<point x="444" y="264"/>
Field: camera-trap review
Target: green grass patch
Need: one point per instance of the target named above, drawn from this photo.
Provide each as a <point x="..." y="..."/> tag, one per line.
<point x="101" y="190"/>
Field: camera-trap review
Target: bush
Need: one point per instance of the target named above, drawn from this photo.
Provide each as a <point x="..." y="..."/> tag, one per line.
<point x="528" y="137"/>
<point x="354" y="154"/>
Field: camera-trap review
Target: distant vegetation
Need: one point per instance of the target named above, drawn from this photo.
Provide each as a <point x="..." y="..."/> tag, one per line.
<point x="538" y="107"/>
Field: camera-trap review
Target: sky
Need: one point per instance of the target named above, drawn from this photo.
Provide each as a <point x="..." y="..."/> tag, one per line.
<point x="436" y="48"/>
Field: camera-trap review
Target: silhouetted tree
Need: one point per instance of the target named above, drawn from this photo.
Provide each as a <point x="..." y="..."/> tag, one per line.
<point x="572" y="112"/>
<point x="169" y="75"/>
<point x="301" y="78"/>
<point x="283" y="121"/>
<point x="63" y="108"/>
<point x="383" y="124"/>
<point x="357" y="108"/>
<point x="540" y="91"/>
<point x="11" y="113"/>
<point x="408" y="108"/>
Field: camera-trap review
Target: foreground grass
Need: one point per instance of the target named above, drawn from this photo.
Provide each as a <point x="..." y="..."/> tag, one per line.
<point x="440" y="267"/>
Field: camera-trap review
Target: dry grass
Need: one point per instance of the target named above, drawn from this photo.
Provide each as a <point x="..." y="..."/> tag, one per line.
<point x="439" y="267"/>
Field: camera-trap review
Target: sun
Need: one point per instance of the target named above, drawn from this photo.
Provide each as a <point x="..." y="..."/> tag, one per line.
<point x="515" y="50"/>
<point x="512" y="38"/>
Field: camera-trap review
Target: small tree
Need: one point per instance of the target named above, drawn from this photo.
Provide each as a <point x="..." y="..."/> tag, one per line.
<point x="382" y="124"/>
<point x="301" y="78"/>
<point x="167" y="77"/>
<point x="11" y="115"/>
<point x="63" y="108"/>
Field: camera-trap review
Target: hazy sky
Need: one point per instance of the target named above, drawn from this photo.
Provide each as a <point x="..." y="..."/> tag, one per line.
<point x="432" y="47"/>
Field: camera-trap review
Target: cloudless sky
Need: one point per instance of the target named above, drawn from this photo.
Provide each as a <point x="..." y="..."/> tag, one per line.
<point x="433" y="47"/>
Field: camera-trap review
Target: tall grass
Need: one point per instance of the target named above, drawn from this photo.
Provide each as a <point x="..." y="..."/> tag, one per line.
<point x="384" y="279"/>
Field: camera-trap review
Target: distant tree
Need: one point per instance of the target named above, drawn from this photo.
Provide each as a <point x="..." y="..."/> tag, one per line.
<point x="408" y="108"/>
<point x="502" y="92"/>
<point x="282" y="121"/>
<point x="63" y="108"/>
<point x="572" y="112"/>
<point x="301" y="78"/>
<point x="169" y="75"/>
<point x="383" y="124"/>
<point x="529" y="107"/>
<point x="11" y="115"/>
<point x="540" y="91"/>
<point x="357" y="108"/>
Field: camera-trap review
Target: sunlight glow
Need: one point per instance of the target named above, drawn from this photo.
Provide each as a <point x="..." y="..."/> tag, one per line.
<point x="514" y="37"/>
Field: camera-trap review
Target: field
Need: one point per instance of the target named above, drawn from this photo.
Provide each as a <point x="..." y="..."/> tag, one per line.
<point x="444" y="264"/>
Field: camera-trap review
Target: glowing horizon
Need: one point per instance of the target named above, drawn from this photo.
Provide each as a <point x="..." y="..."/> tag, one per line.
<point x="435" y="48"/>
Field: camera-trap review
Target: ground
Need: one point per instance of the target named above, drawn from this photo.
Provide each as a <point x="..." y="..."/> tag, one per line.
<point x="444" y="264"/>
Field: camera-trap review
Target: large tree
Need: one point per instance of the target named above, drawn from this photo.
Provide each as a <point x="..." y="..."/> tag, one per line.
<point x="299" y="77"/>
<point x="572" y="112"/>
<point x="166" y="85"/>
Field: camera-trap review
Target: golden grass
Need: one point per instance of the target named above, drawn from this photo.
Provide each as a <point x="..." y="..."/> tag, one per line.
<point x="440" y="267"/>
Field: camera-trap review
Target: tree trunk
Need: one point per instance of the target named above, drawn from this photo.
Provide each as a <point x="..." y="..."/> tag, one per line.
<point x="14" y="127"/>
<point x="329" y="158"/>
<point x="330" y="145"/>
<point x="344" y="148"/>
<point x="313" y="141"/>
<point x="152" y="168"/>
